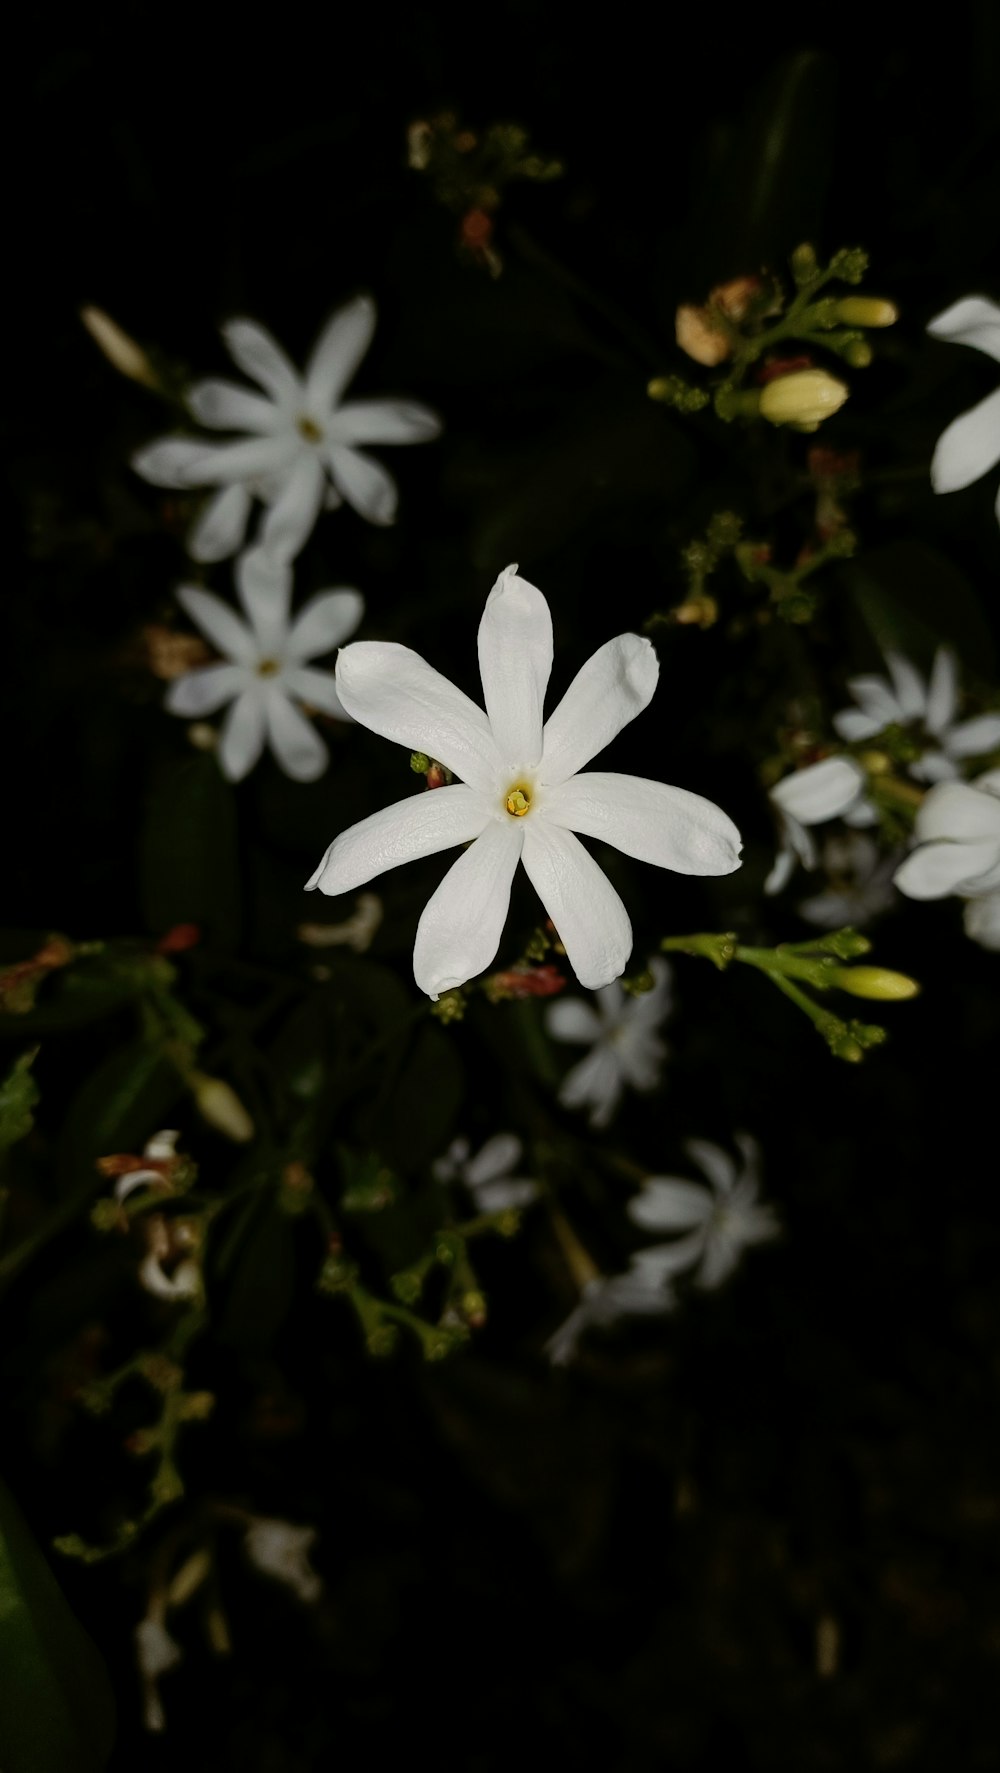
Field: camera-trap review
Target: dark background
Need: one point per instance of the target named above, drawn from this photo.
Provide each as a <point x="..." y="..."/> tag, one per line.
<point x="622" y="1565"/>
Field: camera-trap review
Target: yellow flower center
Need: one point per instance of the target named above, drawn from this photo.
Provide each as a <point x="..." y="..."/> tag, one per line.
<point x="518" y="802"/>
<point x="309" y="429"/>
<point x="268" y="668"/>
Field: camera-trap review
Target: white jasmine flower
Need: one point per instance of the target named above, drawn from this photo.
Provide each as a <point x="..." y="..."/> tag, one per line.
<point x="860" y="883"/>
<point x="622" y="1034"/>
<point x="957" y="838"/>
<point x="521" y="797"/>
<point x="719" y="1222"/>
<point x="642" y="1290"/>
<point x="267" y="675"/>
<point x="489" y="1176"/>
<point x="300" y="440"/>
<point x="156" y="1653"/>
<point x="831" y="789"/>
<point x="279" y="1549"/>
<point x="970" y="446"/>
<point x="906" y="698"/>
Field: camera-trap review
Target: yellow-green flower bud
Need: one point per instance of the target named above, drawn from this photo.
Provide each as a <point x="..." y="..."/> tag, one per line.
<point x="805" y="397"/>
<point x="122" y="352"/>
<point x="867" y="311"/>
<point x="875" y="982"/>
<point x="219" y="1104"/>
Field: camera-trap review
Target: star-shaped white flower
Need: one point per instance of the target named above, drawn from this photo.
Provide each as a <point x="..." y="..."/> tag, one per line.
<point x="300" y="442"/>
<point x="267" y="673"/>
<point x="642" y="1290"/>
<point x="719" y="1222"/>
<point x="859" y="883"/>
<point x="521" y="797"/>
<point x="625" y="1046"/>
<point x="489" y="1176"/>
<point x="970" y="446"/>
<point x="279" y="1549"/>
<point x="957" y="838"/>
<point x="907" y="698"/>
<point x="831" y="789"/>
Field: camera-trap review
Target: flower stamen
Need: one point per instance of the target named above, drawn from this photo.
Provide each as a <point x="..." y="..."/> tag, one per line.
<point x="309" y="429"/>
<point x="268" y="668"/>
<point x="518" y="802"/>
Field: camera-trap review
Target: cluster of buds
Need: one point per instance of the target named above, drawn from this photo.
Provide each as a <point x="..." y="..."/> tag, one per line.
<point x="468" y="171"/>
<point x="709" y="334"/>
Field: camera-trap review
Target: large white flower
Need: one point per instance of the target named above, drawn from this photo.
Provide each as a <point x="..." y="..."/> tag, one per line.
<point x="957" y="838"/>
<point x="267" y="673"/>
<point x="300" y="440"/>
<point x="489" y="1176"/>
<point x="643" y="1290"/>
<point x="625" y="1046"/>
<point x="831" y="789"/>
<point x="719" y="1222"/>
<point x="970" y="446"/>
<point x="907" y="698"/>
<point x="521" y="797"/>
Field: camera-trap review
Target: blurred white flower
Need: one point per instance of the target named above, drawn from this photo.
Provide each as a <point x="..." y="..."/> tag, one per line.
<point x="642" y="1290"/>
<point x="522" y="798"/>
<point x="156" y="1653"/>
<point x="831" y="789"/>
<point x="957" y="843"/>
<point x="300" y="440"/>
<point x="279" y="1549"/>
<point x="719" y="1222"/>
<point x="907" y="698"/>
<point x="970" y="446"/>
<point x="859" y="881"/>
<point x="267" y="674"/>
<point x="625" y="1046"/>
<point x="489" y="1176"/>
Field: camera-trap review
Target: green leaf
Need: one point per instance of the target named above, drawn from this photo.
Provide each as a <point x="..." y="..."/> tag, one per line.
<point x="18" y="1095"/>
<point x="189" y="856"/>
<point x="121" y="1104"/>
<point x="56" y="1703"/>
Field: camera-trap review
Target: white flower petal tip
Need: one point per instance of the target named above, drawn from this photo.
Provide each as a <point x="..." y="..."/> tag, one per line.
<point x="490" y="1176"/>
<point x="970" y="446"/>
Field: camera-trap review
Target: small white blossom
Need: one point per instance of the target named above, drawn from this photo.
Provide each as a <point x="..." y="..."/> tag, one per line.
<point x="522" y="797"/>
<point x="956" y="835"/>
<point x="642" y="1290"/>
<point x="300" y="440"/>
<point x="621" y="1031"/>
<point x="279" y="1549"/>
<point x="267" y="675"/>
<point x="719" y="1222"/>
<point x="859" y="883"/>
<point x="907" y="698"/>
<point x="831" y="789"/>
<point x="489" y="1176"/>
<point x="970" y="446"/>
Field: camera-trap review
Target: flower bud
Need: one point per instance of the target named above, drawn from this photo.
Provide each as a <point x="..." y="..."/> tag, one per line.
<point x="700" y="336"/>
<point x="866" y="311"/>
<point x="803" y="263"/>
<point x="218" y="1103"/>
<point x="858" y="354"/>
<point x="804" y="398"/>
<point x="124" y="355"/>
<point x="875" y="982"/>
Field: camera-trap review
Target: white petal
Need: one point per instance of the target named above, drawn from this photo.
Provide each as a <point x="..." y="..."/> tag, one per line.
<point x="203" y="691"/>
<point x="909" y="686"/>
<point x="973" y="738"/>
<point x="221" y="527"/>
<point x="569" y="1018"/>
<point x="982" y="921"/>
<point x="323" y="623"/>
<point x="933" y="766"/>
<point x="461" y="925"/>
<point x="861" y="815"/>
<point x="988" y="782"/>
<point x="669" y="1203"/>
<point x="316" y="688"/>
<point x="167" y="461"/>
<point x="219" y="463"/>
<point x="295" y="742"/>
<point x="500" y="1197"/>
<point x="936" y="869"/>
<point x="722" y="1256"/>
<point x="820" y="791"/>
<point x="591" y="920"/>
<point x="290" y="520"/>
<point x="960" y="812"/>
<point x="222" y="626"/>
<point x="641" y="1053"/>
<point x="498" y="1157"/>
<point x="713" y="1162"/>
<point x="338" y="351"/>
<point x="595" y="1083"/>
<point x="669" y="827"/>
<point x="653" y="1006"/>
<point x="383" y="421"/>
<point x="749" y="1149"/>
<point x="264" y="588"/>
<point x="364" y="484"/>
<point x="434" y="820"/>
<point x="243" y="734"/>
<point x="226" y="407"/>
<point x="261" y="357"/>
<point x="974" y="320"/>
<point x="665" y="1261"/>
<point x="782" y="870"/>
<point x="615" y="685"/>
<point x="969" y="447"/>
<point x="393" y="691"/>
<point x="942" y="691"/>
<point x="851" y="724"/>
<point x="875" y="698"/>
<point x="515" y="661"/>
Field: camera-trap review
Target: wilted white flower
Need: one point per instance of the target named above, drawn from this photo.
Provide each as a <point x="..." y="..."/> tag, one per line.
<point x="831" y="789"/>
<point x="279" y="1549"/>
<point x="156" y="1653"/>
<point x="522" y="798"/>
<point x="489" y="1176"/>
<point x="859" y="882"/>
<point x="970" y="446"/>
<point x="165" y="1242"/>
<point x="621" y="1031"/>
<point x="642" y="1290"/>
<point x="267" y="674"/>
<point x="957" y="837"/>
<point x="300" y="442"/>
<point x="719" y="1222"/>
<point x="161" y="1148"/>
<point x="906" y="698"/>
